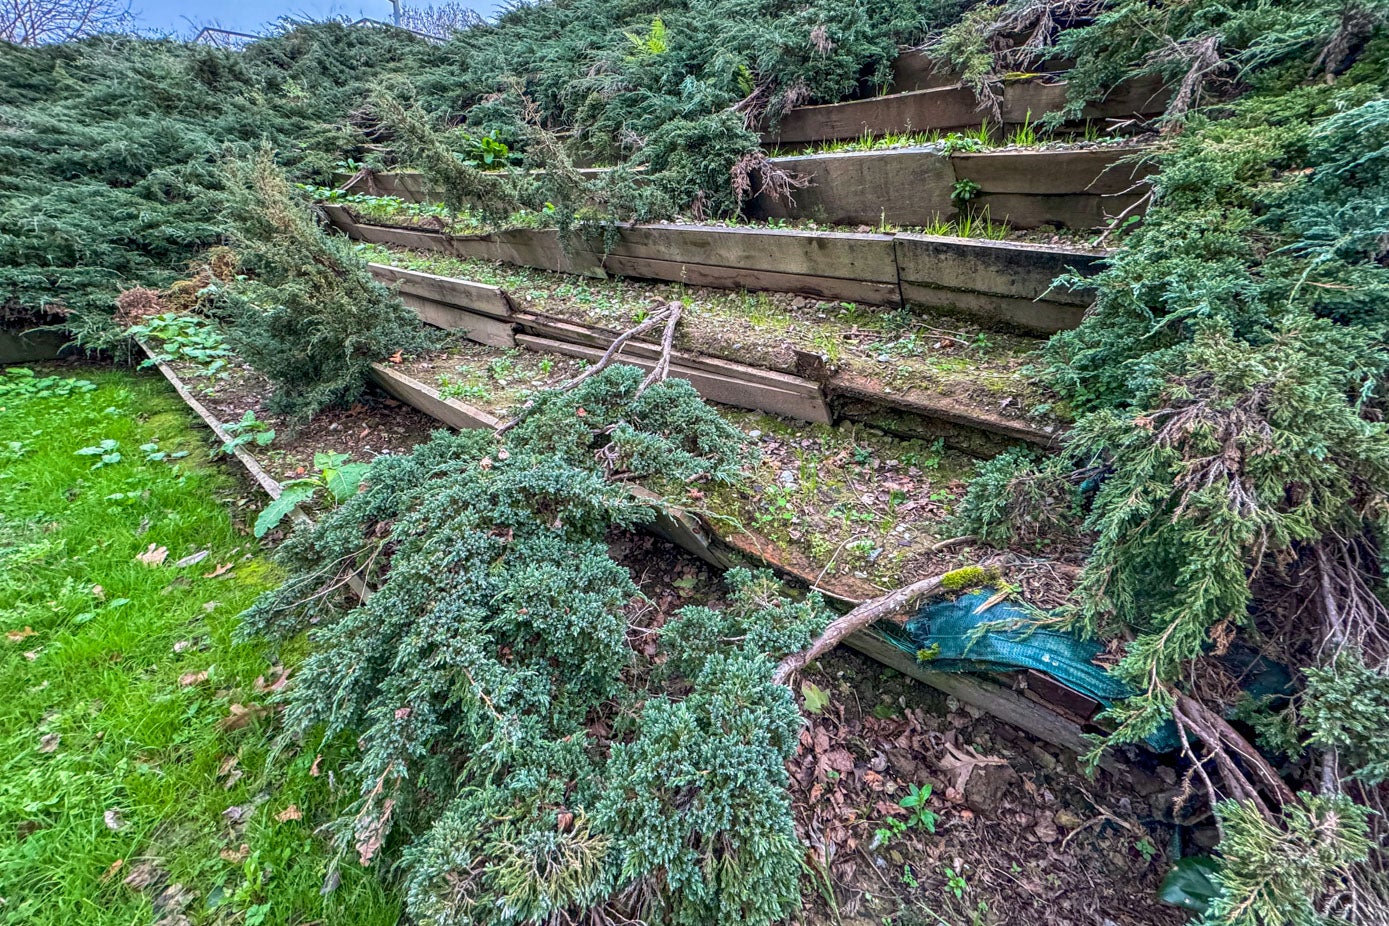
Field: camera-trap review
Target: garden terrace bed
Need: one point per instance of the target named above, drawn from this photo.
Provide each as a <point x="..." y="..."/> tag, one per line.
<point x="1077" y="188"/>
<point x="1000" y="284"/>
<point x="879" y="733"/>
<point x="784" y="354"/>
<point x="957" y="108"/>
<point x="713" y="532"/>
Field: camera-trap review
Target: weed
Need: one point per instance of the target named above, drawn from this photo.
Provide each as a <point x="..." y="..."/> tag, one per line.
<point x="18" y="383"/>
<point x="962" y="191"/>
<point x="334" y="479"/>
<point x="920" y="815"/>
<point x="108" y="451"/>
<point x="249" y="430"/>
<point x="955" y="882"/>
<point x="192" y="339"/>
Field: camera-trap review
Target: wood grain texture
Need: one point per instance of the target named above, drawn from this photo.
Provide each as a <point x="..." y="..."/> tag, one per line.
<point x="476" y="297"/>
<point x="728" y="388"/>
<point x="1003" y="268"/>
<point x="911" y="186"/>
<point x="417" y="395"/>
<point x="484" y="329"/>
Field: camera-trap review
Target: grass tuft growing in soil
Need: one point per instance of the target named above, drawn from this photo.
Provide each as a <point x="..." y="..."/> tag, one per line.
<point x="134" y="734"/>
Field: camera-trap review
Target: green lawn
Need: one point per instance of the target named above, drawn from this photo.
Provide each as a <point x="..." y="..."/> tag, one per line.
<point x="118" y="760"/>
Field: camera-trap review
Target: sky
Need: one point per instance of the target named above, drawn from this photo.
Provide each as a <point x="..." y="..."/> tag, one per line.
<point x="184" y="17"/>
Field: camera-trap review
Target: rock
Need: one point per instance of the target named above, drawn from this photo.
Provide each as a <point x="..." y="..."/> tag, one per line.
<point x="1205" y="836"/>
<point x="988" y="785"/>
<point x="1067" y="820"/>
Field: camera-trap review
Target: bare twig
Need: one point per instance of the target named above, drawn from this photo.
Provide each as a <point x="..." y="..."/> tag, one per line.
<point x="888" y="605"/>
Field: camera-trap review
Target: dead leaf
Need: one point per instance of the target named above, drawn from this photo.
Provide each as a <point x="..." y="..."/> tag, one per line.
<point x="235" y="856"/>
<point x="15" y="636"/>
<point x="397" y="357"/>
<point x="371" y="836"/>
<point x="313" y="769"/>
<point x="153" y="556"/>
<point x="241" y="715"/>
<point x="110" y="873"/>
<point x="264" y="687"/>
<point x="237" y="813"/>
<point x="99" y="592"/>
<point x="961" y="761"/>
<point x="143" y="875"/>
<point x="192" y="678"/>
<point x="220" y="570"/>
<point x="49" y="742"/>
<point x="32" y="654"/>
<point x="114" y="821"/>
<point x="289" y="813"/>
<point x="182" y="645"/>
<point x="192" y="559"/>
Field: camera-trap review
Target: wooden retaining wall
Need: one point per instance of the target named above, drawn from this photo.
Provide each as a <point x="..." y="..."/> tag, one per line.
<point x="30" y="346"/>
<point x="1004" y="284"/>
<point x="822" y="400"/>
<point x="1067" y="187"/>
<point x="955" y="108"/>
<point x="1027" y="188"/>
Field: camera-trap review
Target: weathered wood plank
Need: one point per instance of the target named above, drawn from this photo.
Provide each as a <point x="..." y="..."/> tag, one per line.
<point x="1004" y="268"/>
<point x="465" y="294"/>
<point x="483" y="329"/>
<point x="942" y="108"/>
<point x="1006" y="313"/>
<point x="988" y="696"/>
<point x="696" y="274"/>
<point x="854" y="396"/>
<point x="29" y="346"/>
<point x="1054" y="172"/>
<point x="844" y="255"/>
<point x="416" y="394"/>
<point x="558" y="329"/>
<point x="750" y="392"/>
<point x="905" y="187"/>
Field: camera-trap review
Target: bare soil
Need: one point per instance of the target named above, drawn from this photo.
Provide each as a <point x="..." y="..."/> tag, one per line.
<point x="1022" y="835"/>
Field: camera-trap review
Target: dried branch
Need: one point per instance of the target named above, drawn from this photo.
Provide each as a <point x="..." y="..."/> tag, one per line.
<point x="889" y="605"/>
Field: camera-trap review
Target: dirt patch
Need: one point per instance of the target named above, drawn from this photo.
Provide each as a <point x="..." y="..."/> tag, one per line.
<point x="371" y="427"/>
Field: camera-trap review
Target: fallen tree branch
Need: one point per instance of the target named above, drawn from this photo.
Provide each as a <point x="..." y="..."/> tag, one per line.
<point x="662" y="368"/>
<point x="888" y="605"/>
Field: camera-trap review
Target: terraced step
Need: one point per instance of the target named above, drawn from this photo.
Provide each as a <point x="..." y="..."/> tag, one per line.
<point x="956" y="108"/>
<point x="1077" y="188"/>
<point x="818" y="362"/>
<point x="1007" y="286"/>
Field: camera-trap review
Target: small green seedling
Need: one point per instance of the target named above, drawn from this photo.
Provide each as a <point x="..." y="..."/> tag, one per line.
<point x="920" y="814"/>
<point x="335" y="476"/>
<point x="248" y="430"/>
<point x="955" y="882"/>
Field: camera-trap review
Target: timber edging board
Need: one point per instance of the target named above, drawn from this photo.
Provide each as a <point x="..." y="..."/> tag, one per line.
<point x="1026" y="188"/>
<point x="1013" y="287"/>
<point x="955" y="107"/>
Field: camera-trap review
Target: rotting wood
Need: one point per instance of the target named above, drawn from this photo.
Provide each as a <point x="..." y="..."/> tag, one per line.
<point x="476" y="297"/>
<point x="952" y="107"/>
<point x="739" y="392"/>
<point x="860" y="617"/>
<point x="929" y="405"/>
<point x="412" y="392"/>
<point x="483" y="329"/>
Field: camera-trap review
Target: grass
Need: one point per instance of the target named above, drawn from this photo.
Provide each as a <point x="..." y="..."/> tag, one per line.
<point x="118" y="756"/>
